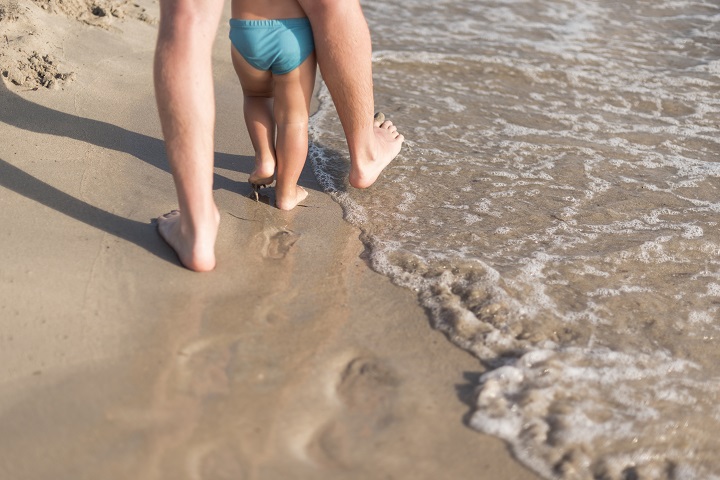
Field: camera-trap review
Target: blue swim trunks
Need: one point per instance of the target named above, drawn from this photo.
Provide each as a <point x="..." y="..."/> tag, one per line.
<point x="276" y="45"/>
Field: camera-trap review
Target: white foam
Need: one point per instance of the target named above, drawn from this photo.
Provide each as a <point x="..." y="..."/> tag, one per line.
<point x="713" y="289"/>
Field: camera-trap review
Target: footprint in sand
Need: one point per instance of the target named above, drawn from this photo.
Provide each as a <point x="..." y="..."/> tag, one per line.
<point x="201" y="366"/>
<point x="214" y="461"/>
<point x="367" y="389"/>
<point x="367" y="384"/>
<point x="278" y="244"/>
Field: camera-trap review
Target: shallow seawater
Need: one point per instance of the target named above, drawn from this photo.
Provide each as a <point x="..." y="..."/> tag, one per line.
<point x="556" y="209"/>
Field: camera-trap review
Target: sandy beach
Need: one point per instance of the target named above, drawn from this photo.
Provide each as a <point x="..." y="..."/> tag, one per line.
<point x="292" y="360"/>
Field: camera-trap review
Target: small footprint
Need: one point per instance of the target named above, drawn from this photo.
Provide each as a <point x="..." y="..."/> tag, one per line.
<point x="278" y="244"/>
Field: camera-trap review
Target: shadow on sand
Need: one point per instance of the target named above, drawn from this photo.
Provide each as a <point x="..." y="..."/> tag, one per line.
<point x="26" y="115"/>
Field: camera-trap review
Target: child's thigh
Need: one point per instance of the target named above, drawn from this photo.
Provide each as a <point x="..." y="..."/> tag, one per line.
<point x="255" y="83"/>
<point x="293" y="92"/>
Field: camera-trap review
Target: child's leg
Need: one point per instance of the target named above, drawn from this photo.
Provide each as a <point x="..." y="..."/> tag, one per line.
<point x="292" y="108"/>
<point x="257" y="88"/>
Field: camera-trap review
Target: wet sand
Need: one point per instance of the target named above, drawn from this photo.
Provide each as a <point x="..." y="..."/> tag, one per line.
<point x="291" y="360"/>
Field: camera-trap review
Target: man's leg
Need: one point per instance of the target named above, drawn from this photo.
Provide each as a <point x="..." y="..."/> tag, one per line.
<point x="185" y="97"/>
<point x="344" y="53"/>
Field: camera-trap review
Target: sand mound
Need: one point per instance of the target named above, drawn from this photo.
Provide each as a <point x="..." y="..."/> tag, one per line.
<point x="36" y="71"/>
<point x="97" y="12"/>
<point x="29" y="37"/>
<point x="9" y="10"/>
<point x="28" y="57"/>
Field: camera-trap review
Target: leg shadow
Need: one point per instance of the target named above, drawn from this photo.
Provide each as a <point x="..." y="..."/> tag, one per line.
<point x="26" y="115"/>
<point x="23" y="114"/>
<point x="139" y="233"/>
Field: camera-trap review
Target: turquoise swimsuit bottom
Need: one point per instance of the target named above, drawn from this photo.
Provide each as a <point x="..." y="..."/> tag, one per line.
<point x="276" y="45"/>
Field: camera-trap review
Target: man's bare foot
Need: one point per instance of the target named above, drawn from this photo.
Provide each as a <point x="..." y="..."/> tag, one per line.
<point x="194" y="247"/>
<point x="288" y="202"/>
<point x="388" y="142"/>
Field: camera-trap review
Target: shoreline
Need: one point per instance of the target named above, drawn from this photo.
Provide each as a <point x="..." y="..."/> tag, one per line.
<point x="291" y="360"/>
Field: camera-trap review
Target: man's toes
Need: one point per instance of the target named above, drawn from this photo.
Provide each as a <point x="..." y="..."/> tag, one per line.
<point x="378" y="119"/>
<point x="389" y="127"/>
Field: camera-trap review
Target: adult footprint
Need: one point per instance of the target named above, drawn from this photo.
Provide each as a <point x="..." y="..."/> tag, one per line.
<point x="367" y="389"/>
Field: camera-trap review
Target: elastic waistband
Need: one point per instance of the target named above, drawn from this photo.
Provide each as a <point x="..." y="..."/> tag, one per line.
<point x="285" y="22"/>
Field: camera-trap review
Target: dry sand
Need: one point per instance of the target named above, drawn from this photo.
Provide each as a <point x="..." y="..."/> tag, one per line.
<point x="291" y="361"/>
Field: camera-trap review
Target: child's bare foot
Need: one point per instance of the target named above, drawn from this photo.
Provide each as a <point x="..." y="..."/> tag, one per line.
<point x="288" y="202"/>
<point x="264" y="173"/>
<point x="195" y="247"/>
<point x="388" y="142"/>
